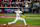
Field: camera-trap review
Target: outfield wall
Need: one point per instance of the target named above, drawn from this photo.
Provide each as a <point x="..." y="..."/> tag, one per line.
<point x="11" y="10"/>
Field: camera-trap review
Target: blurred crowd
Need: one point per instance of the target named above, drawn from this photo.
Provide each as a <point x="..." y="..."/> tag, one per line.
<point x="19" y="3"/>
<point x="14" y="3"/>
<point x="33" y="5"/>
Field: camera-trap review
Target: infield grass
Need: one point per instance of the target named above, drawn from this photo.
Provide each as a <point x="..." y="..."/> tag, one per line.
<point x="29" y="21"/>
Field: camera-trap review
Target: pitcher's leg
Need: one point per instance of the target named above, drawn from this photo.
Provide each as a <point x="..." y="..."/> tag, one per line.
<point x="13" y="21"/>
<point x="23" y="20"/>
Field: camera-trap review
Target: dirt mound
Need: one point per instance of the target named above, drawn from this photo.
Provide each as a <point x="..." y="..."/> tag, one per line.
<point x="17" y="25"/>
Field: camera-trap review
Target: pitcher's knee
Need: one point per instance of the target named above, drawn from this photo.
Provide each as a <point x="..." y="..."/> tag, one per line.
<point x="13" y="22"/>
<point x="23" y="19"/>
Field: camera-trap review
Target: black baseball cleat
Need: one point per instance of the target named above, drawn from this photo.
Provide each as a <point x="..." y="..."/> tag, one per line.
<point x="7" y="24"/>
<point x="26" y="25"/>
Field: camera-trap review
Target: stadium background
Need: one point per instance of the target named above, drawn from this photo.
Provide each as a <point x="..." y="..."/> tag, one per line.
<point x="33" y="5"/>
<point x="32" y="12"/>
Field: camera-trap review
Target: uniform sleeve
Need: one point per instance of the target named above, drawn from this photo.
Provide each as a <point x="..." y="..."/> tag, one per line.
<point x="20" y="11"/>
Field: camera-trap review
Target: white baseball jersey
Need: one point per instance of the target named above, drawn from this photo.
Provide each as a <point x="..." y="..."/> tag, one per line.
<point x="18" y="18"/>
<point x="18" y="13"/>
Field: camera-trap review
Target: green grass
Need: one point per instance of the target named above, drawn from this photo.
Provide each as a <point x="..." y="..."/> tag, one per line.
<point x="27" y="15"/>
<point x="29" y="21"/>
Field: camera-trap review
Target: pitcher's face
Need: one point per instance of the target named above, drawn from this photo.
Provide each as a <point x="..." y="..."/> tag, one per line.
<point x="18" y="9"/>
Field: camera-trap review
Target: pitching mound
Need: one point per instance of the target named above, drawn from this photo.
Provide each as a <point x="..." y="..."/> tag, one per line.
<point x="1" y="25"/>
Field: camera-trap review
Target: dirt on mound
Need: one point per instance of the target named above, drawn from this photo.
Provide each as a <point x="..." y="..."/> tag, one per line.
<point x="1" y="25"/>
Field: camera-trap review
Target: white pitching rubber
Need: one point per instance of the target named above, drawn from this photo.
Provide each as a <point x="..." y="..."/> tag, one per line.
<point x="4" y="24"/>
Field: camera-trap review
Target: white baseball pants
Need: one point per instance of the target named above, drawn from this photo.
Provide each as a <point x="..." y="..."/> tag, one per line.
<point x="20" y="18"/>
